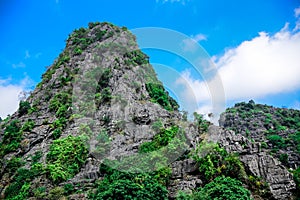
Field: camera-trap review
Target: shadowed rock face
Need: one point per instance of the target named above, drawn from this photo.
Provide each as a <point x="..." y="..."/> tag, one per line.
<point x="256" y="161"/>
<point x="103" y="92"/>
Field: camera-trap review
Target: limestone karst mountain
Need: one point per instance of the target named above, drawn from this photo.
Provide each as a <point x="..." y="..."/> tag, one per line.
<point x="100" y="125"/>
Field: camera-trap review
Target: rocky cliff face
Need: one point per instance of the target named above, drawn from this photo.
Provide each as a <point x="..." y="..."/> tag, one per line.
<point x="276" y="129"/>
<point x="100" y="125"/>
<point x="257" y="162"/>
<point x="271" y="138"/>
<point x="102" y="90"/>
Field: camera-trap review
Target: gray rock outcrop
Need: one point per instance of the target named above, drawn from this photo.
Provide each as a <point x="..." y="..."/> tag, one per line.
<point x="257" y="162"/>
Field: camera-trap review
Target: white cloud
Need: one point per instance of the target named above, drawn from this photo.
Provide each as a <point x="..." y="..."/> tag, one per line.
<point x="192" y="87"/>
<point x="191" y="44"/>
<point x="27" y="54"/>
<point x="19" y="65"/>
<point x="297" y="15"/>
<point x="11" y="92"/>
<point x="264" y="65"/>
<point x="297" y="12"/>
<point x="199" y="37"/>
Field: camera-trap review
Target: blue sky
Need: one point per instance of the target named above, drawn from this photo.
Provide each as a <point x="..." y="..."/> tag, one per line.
<point x="242" y="37"/>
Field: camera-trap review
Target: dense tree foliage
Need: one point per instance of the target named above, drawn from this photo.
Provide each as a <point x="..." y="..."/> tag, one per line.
<point x="160" y="96"/>
<point x="223" y="188"/>
<point x="215" y="161"/>
<point x="127" y="186"/>
<point x="11" y="138"/>
<point x="65" y="158"/>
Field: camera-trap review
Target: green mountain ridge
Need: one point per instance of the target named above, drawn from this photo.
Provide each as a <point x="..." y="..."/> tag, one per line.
<point x="100" y="125"/>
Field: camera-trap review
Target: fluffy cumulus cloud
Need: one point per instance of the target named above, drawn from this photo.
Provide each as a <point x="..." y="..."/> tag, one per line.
<point x="265" y="65"/>
<point x="191" y="44"/>
<point x="297" y="12"/>
<point x="11" y="92"/>
<point x="297" y="15"/>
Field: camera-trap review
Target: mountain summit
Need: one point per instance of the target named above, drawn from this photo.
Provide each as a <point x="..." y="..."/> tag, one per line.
<point x="100" y="125"/>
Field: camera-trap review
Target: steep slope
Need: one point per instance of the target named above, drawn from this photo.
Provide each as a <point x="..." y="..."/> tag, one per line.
<point x="100" y="125"/>
<point x="277" y="129"/>
<point x="100" y="99"/>
<point x="276" y="134"/>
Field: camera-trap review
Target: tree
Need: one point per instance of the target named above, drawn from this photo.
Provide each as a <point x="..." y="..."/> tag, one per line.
<point x="127" y="186"/>
<point x="223" y="188"/>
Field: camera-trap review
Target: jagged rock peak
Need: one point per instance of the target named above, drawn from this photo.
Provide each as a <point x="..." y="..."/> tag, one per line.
<point x="100" y="99"/>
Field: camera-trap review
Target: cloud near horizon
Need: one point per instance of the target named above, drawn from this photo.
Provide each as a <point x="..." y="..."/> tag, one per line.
<point x="11" y="92"/>
<point x="265" y="65"/>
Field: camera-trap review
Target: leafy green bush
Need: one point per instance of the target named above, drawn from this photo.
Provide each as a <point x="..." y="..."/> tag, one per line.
<point x="68" y="188"/>
<point x="36" y="157"/>
<point x="223" y="188"/>
<point x="258" y="186"/>
<point x="121" y="185"/>
<point x="296" y="174"/>
<point x="160" y="96"/>
<point x="23" y="193"/>
<point x="77" y="51"/>
<point x="127" y="189"/>
<point x="100" y="34"/>
<point x="181" y="195"/>
<point x="13" y="164"/>
<point x="137" y="57"/>
<point x="40" y="192"/>
<point x="19" y="188"/>
<point x="157" y="125"/>
<point x="24" y="107"/>
<point x="11" y="138"/>
<point x="277" y="141"/>
<point x="201" y="122"/>
<point x="60" y="104"/>
<point x="103" y="97"/>
<point x="64" y="80"/>
<point x="283" y="158"/>
<point x="82" y="40"/>
<point x="215" y="161"/>
<point x="103" y="79"/>
<point x="56" y="193"/>
<point x="106" y="95"/>
<point x="159" y="140"/>
<point x="296" y="138"/>
<point x="58" y="125"/>
<point x="65" y="158"/>
<point x="264" y="145"/>
<point x="28" y="125"/>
